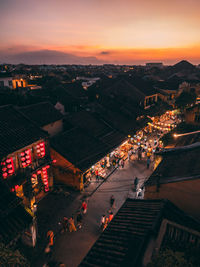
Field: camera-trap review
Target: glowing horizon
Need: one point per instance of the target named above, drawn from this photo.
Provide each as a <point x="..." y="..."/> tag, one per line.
<point x="114" y="31"/>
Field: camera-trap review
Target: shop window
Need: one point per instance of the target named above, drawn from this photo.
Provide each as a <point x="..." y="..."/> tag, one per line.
<point x="25" y="158"/>
<point x="41" y="179"/>
<point x="19" y="191"/>
<point x="45" y="178"/>
<point x="34" y="180"/>
<point x="40" y="150"/>
<point x="7" y="167"/>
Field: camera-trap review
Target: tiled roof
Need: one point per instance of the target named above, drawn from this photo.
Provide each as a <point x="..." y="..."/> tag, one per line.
<point x="16" y="131"/>
<point x="123" y="88"/>
<point x="125" y="240"/>
<point x="143" y="86"/>
<point x="115" y="119"/>
<point x="79" y="148"/>
<point x="113" y="139"/>
<point x="14" y="219"/>
<point x="177" y="165"/>
<point x="76" y="90"/>
<point x="96" y="127"/>
<point x="42" y="113"/>
<point x="85" y="120"/>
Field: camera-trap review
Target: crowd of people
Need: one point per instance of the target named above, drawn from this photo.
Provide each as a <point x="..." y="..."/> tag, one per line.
<point x="105" y="220"/>
<point x="69" y="225"/>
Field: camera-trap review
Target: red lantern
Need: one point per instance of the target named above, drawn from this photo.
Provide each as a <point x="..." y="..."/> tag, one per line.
<point x="5" y="175"/>
<point x="7" y="167"/>
<point x="40" y="150"/>
<point x="45" y="178"/>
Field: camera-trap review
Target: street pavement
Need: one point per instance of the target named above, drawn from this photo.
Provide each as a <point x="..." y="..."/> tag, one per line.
<point x="71" y="248"/>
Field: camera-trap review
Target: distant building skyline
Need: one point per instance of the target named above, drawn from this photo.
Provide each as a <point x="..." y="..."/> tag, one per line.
<point x="115" y="31"/>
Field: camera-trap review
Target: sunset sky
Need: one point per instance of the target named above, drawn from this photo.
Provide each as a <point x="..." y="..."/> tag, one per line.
<point x="117" y="31"/>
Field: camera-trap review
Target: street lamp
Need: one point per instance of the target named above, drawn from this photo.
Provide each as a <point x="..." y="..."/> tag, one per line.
<point x="178" y="135"/>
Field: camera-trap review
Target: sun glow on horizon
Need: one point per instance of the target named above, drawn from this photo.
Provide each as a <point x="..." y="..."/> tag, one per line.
<point x="115" y="30"/>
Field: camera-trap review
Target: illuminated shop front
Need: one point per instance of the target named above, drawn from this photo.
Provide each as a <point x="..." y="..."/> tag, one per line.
<point x="28" y="172"/>
<point x="106" y="165"/>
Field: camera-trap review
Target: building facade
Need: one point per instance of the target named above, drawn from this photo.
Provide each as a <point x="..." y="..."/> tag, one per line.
<point x="25" y="157"/>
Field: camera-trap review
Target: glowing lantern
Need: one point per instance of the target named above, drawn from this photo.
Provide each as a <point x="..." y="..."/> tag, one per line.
<point x="7" y="167"/>
<point x="45" y="178"/>
<point x="26" y="158"/>
<point x="40" y="150"/>
<point x="5" y="175"/>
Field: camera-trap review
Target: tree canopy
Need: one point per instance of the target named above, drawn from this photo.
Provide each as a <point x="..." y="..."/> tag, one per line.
<point x="185" y="99"/>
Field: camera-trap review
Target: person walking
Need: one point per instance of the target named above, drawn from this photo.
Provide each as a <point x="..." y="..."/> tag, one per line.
<point x="112" y="202"/>
<point x="129" y="155"/>
<point x="50" y="242"/>
<point x="136" y="183"/>
<point x="72" y="227"/>
<point x="117" y="162"/>
<point x="139" y="153"/>
<point x="64" y="225"/>
<point x="50" y="237"/>
<point x="105" y="224"/>
<point x="79" y="220"/>
<point x="110" y="217"/>
<point x="84" y="207"/>
<point x="97" y="175"/>
<point x="122" y="163"/>
<point x="102" y="222"/>
<point x="114" y="162"/>
<point x="148" y="162"/>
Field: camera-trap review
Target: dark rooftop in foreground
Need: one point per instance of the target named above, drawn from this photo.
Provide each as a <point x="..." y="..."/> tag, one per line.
<point x="178" y="164"/>
<point x="42" y="113"/>
<point x="16" y="131"/>
<point x="126" y="238"/>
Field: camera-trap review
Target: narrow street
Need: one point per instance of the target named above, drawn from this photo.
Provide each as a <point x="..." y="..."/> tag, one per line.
<point x="70" y="248"/>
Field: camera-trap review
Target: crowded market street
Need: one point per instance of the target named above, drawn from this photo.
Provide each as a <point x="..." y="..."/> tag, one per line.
<point x="71" y="247"/>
